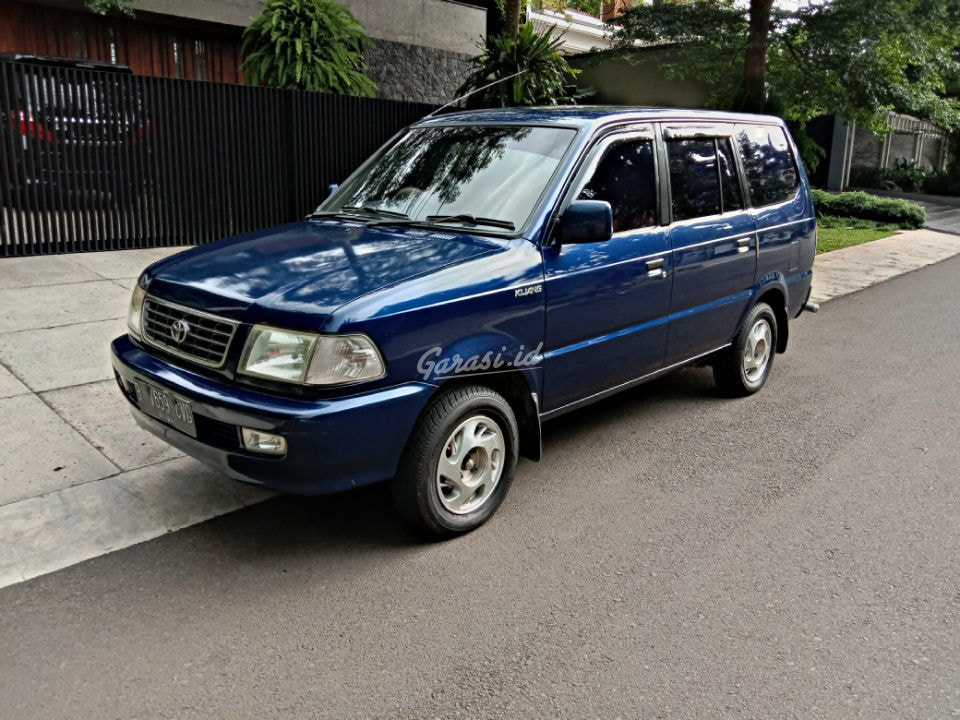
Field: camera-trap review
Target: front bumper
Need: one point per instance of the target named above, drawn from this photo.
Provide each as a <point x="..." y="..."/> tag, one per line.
<point x="332" y="444"/>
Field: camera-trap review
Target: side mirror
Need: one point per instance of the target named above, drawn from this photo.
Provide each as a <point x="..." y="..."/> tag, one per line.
<point x="332" y="189"/>
<point x="585" y="221"/>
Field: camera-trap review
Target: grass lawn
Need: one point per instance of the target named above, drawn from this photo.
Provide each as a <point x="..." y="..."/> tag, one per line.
<point x="836" y="233"/>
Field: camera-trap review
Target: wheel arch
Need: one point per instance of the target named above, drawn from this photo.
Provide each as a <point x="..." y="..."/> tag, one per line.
<point x="518" y="391"/>
<point x="776" y="297"/>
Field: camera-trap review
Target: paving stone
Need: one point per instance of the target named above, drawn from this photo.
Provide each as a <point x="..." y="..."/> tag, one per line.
<point x="46" y="270"/>
<point x="55" y="305"/>
<point x="9" y="385"/>
<point x="61" y="357"/>
<point x="41" y="453"/>
<point x="100" y="413"/>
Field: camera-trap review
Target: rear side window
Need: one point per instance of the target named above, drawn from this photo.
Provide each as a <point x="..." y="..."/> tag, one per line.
<point x="771" y="170"/>
<point x="625" y="178"/>
<point x="694" y="180"/>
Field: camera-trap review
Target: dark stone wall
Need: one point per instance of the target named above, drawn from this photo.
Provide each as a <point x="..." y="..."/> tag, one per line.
<point x="415" y="72"/>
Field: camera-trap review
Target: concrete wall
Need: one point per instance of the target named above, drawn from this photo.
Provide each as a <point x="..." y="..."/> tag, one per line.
<point x="931" y="153"/>
<point x="867" y="148"/>
<point x="439" y="24"/>
<point x="912" y="139"/>
<point x="226" y="12"/>
<point x="901" y="148"/>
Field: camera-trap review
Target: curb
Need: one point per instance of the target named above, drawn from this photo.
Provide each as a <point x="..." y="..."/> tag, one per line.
<point x="42" y="534"/>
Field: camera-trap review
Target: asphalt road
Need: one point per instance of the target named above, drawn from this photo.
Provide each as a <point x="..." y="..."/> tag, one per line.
<point x="675" y="555"/>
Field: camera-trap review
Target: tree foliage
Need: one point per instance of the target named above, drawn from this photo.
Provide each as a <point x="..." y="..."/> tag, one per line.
<point x="543" y="82"/>
<point x="307" y="45"/>
<point x="858" y="59"/>
<point x="104" y="7"/>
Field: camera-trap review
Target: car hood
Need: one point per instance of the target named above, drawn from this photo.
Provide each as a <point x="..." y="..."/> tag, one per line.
<point x="306" y="269"/>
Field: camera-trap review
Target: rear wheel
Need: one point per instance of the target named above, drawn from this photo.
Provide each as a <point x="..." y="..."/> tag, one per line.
<point x="459" y="463"/>
<point x="743" y="368"/>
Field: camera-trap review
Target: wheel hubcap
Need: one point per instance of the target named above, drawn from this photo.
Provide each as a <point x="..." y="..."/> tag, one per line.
<point x="470" y="465"/>
<point x="756" y="355"/>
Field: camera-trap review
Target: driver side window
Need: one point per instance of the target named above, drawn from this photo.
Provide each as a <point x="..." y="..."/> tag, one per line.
<point x="626" y="178"/>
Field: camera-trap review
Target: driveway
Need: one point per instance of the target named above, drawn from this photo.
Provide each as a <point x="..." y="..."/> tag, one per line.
<point x="675" y="555"/>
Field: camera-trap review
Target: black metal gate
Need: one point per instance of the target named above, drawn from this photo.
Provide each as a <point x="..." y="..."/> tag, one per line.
<point x="101" y="160"/>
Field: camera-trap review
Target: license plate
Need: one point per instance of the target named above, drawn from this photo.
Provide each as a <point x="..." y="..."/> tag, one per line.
<point x="166" y="407"/>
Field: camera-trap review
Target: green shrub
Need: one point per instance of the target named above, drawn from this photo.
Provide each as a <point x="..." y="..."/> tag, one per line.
<point x="543" y="81"/>
<point x="869" y="207"/>
<point x="942" y="183"/>
<point x="906" y="177"/>
<point x="307" y="45"/>
<point x="868" y="177"/>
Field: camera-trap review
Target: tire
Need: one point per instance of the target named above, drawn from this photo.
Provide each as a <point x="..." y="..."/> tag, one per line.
<point x="476" y="429"/>
<point x="743" y="368"/>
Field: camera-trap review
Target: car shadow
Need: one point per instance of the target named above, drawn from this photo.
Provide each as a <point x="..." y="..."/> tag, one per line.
<point x="290" y="532"/>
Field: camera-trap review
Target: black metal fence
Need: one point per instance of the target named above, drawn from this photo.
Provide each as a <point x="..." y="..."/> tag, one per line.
<point x="101" y="160"/>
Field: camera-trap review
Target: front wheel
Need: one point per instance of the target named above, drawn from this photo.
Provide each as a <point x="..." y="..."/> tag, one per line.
<point x="459" y="462"/>
<point x="743" y="368"/>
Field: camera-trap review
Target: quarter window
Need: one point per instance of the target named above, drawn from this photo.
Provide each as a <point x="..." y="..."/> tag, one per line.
<point x="694" y="179"/>
<point x="729" y="181"/>
<point x="625" y="178"/>
<point x="771" y="169"/>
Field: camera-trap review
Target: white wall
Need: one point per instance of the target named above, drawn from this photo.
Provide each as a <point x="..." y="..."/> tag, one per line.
<point x="439" y="24"/>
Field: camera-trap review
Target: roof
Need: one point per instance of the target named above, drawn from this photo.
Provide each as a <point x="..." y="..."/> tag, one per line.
<point x="586" y="115"/>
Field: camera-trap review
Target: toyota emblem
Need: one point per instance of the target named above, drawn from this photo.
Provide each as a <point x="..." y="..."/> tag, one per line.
<point x="179" y="330"/>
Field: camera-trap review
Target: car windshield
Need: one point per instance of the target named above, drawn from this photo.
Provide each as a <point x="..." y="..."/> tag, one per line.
<point x="487" y="175"/>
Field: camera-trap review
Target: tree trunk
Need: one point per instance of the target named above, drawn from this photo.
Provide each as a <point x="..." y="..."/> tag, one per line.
<point x="511" y="17"/>
<point x="755" y="63"/>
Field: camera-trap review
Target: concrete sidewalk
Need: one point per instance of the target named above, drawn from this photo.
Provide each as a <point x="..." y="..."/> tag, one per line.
<point x="848" y="270"/>
<point x="78" y="478"/>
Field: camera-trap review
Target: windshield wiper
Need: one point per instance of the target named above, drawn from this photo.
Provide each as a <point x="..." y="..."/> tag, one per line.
<point x="472" y="220"/>
<point x="352" y="211"/>
<point x="370" y="210"/>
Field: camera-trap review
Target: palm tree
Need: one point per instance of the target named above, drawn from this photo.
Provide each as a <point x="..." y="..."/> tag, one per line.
<point x="511" y="17"/>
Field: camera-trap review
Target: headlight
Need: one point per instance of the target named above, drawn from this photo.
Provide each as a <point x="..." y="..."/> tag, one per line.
<point x="134" y="323"/>
<point x="309" y="359"/>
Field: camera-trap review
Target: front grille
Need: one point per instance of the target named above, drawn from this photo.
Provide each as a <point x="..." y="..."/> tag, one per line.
<point x="207" y="337"/>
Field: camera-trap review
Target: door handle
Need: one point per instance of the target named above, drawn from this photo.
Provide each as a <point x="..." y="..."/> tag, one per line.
<point x="743" y="244"/>
<point x="655" y="268"/>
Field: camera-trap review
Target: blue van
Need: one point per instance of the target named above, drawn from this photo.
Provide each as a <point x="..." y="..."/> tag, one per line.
<point x="483" y="272"/>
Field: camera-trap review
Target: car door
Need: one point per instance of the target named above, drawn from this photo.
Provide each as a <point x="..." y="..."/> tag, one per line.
<point x="712" y="238"/>
<point x="607" y="302"/>
<point x="786" y="229"/>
